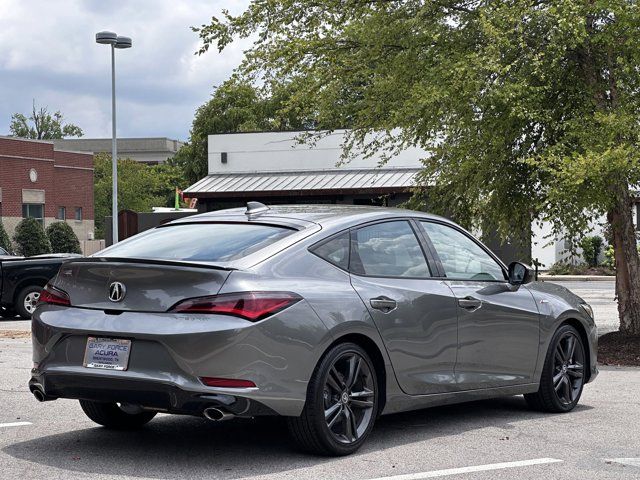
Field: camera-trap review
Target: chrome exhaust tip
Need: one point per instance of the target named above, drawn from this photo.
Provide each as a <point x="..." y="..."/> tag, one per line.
<point x="217" y="415"/>
<point x="40" y="395"/>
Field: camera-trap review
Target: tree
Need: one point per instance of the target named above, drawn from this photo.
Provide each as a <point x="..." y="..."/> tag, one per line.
<point x="43" y="126"/>
<point x="529" y="109"/>
<point x="30" y="238"/>
<point x="140" y="186"/>
<point x="62" y="238"/>
<point x="236" y="106"/>
<point x="5" y="242"/>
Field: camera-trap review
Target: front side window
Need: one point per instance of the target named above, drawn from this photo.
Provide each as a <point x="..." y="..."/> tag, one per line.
<point x="335" y="250"/>
<point x="33" y="210"/>
<point x="202" y="242"/>
<point x="62" y="213"/>
<point x="461" y="257"/>
<point x="78" y="213"/>
<point x="388" y="249"/>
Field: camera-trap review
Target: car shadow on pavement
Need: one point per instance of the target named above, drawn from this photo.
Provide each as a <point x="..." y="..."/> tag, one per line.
<point x="188" y="447"/>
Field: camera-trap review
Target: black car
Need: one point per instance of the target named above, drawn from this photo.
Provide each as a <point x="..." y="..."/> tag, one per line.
<point x="22" y="279"/>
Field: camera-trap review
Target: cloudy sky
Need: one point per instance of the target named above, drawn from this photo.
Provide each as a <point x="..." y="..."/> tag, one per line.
<point x="48" y="53"/>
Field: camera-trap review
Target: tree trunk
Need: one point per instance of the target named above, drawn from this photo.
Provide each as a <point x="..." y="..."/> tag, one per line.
<point x="627" y="261"/>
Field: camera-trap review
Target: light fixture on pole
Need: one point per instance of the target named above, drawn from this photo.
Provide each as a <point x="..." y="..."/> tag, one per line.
<point x="111" y="38"/>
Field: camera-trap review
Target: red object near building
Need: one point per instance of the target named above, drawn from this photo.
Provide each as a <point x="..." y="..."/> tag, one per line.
<point x="50" y="185"/>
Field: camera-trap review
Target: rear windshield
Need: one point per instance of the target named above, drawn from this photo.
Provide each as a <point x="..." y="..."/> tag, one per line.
<point x="203" y="242"/>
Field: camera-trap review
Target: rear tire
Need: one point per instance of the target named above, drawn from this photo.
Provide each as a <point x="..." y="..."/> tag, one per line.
<point x="563" y="373"/>
<point x="27" y="300"/>
<point x="341" y="405"/>
<point x="110" y="415"/>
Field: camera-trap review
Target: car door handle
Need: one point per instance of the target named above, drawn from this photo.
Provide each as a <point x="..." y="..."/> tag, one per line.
<point x="384" y="304"/>
<point x="470" y="303"/>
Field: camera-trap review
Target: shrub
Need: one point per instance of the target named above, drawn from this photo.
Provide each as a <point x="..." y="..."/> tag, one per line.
<point x="591" y="249"/>
<point x="563" y="268"/>
<point x="5" y="242"/>
<point x="30" y="238"/>
<point x="609" y="257"/>
<point x="62" y="238"/>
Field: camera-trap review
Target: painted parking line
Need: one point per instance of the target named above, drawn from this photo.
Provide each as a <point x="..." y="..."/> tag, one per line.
<point x="633" y="462"/>
<point x="474" y="469"/>
<point x="15" y="424"/>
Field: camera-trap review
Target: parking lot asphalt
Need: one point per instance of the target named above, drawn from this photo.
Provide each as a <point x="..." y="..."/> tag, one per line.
<point x="482" y="440"/>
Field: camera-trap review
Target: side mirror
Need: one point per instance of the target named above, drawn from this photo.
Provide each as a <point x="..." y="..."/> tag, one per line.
<point x="519" y="273"/>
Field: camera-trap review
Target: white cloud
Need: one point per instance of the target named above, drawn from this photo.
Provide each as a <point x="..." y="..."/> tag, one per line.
<point x="48" y="52"/>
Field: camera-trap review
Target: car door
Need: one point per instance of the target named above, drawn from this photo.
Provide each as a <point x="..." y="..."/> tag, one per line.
<point x="498" y="323"/>
<point x="415" y="314"/>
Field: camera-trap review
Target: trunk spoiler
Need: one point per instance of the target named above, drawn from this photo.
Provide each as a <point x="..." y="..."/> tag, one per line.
<point x="149" y="261"/>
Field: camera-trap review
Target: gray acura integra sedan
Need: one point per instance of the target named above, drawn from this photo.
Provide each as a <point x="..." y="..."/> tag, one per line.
<point x="326" y="315"/>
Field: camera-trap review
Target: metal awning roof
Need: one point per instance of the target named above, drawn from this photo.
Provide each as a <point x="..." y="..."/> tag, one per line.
<point x="304" y="182"/>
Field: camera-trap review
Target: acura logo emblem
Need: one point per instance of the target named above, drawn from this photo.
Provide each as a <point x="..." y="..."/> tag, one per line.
<point x="117" y="291"/>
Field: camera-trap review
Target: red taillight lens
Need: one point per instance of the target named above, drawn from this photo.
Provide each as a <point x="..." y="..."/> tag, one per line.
<point x="54" y="296"/>
<point x="227" y="382"/>
<point x="252" y="306"/>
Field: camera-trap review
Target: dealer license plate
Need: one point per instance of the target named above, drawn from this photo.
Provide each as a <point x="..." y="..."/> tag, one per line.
<point x="107" y="353"/>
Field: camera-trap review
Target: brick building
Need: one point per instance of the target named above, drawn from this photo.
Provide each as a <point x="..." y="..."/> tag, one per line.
<point x="37" y="180"/>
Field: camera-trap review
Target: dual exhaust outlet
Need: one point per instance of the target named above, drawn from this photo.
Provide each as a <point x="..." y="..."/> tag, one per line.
<point x="40" y="396"/>
<point x="211" y="413"/>
<point x="217" y="415"/>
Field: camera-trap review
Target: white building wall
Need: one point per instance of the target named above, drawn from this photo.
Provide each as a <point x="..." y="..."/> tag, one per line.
<point x="280" y="151"/>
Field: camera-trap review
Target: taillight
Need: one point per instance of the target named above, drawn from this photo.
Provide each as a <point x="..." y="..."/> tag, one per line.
<point x="54" y="296"/>
<point x="251" y="306"/>
<point x="227" y="382"/>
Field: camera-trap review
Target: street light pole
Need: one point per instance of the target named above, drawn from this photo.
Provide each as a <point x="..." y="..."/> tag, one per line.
<point x="115" y="41"/>
<point x="114" y="152"/>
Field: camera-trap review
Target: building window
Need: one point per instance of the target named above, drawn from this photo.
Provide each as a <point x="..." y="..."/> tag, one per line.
<point x="62" y="213"/>
<point x="33" y="210"/>
<point x="79" y="213"/>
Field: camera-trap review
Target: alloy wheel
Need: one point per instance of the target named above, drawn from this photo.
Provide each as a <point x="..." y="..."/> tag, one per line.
<point x="568" y="368"/>
<point x="31" y="301"/>
<point x="349" y="397"/>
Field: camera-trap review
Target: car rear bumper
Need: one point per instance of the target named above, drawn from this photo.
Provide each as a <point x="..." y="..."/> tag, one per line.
<point x="170" y="353"/>
<point x="151" y="395"/>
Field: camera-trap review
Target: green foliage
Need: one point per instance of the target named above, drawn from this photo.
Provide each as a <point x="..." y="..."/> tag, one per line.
<point x="140" y="187"/>
<point x="5" y="242"/>
<point x="62" y="238"/>
<point x="529" y="110"/>
<point x="236" y="106"/>
<point x="591" y="248"/>
<point x="42" y="125"/>
<point x="565" y="268"/>
<point x="30" y="238"/>
<point x="609" y="257"/>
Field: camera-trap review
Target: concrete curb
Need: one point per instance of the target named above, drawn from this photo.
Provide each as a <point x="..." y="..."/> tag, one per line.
<point x="576" y="278"/>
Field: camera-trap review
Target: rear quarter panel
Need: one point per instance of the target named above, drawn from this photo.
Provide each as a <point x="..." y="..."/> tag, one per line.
<point x="326" y="289"/>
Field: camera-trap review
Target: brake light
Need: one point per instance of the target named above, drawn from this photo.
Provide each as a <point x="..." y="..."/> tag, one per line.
<point x="251" y="306"/>
<point x="54" y="296"/>
<point x="227" y="382"/>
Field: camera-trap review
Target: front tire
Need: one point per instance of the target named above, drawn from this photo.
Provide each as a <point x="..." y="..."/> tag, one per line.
<point x="114" y="416"/>
<point x="563" y="373"/>
<point x="341" y="405"/>
<point x="27" y="300"/>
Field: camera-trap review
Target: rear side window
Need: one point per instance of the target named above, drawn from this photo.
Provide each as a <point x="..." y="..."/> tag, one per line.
<point x="335" y="250"/>
<point x="388" y="249"/>
<point x="203" y="242"/>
